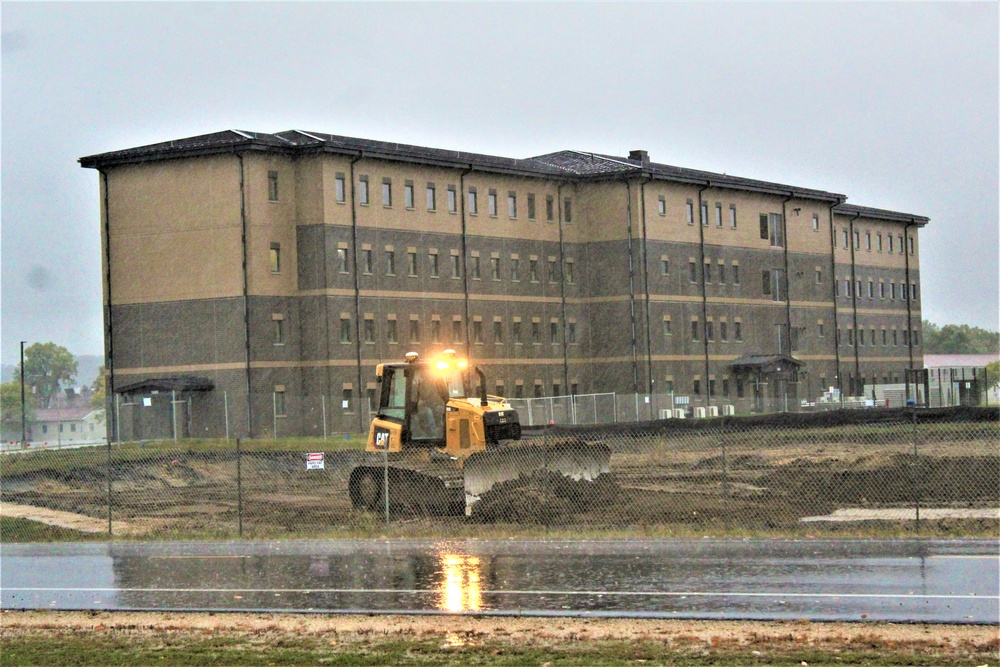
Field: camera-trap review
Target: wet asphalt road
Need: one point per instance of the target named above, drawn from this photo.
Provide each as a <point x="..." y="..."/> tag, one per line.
<point x="879" y="580"/>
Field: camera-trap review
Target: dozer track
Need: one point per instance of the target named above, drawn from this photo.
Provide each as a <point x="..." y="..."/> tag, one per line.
<point x="415" y="487"/>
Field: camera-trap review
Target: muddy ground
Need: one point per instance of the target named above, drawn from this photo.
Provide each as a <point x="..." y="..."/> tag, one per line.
<point x="688" y="484"/>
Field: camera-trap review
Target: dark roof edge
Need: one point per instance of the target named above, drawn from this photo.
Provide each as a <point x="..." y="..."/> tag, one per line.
<point x="881" y="214"/>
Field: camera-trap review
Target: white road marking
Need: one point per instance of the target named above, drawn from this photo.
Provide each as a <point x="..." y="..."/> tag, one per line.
<point x="308" y="591"/>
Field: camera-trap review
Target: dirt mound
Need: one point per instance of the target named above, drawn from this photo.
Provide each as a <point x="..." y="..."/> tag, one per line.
<point x="542" y="498"/>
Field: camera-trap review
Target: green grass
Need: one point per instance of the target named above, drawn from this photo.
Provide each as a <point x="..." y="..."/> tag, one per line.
<point x="176" y="649"/>
<point x="23" y="530"/>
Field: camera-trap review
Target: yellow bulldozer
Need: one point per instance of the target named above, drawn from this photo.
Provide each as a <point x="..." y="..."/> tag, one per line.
<point x="435" y="448"/>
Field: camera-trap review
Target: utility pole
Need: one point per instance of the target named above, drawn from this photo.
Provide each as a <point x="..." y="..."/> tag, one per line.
<point x="24" y="423"/>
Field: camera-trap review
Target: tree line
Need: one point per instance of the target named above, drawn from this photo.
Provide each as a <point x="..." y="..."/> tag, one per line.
<point x="959" y="339"/>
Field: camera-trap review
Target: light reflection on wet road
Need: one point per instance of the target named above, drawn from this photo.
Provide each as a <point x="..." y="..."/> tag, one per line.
<point x="888" y="580"/>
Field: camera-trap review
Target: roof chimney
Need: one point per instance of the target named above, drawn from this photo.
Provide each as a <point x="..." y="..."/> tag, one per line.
<point x="640" y="155"/>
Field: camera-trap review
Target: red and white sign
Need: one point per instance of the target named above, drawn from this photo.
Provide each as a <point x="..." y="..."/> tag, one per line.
<point x="314" y="461"/>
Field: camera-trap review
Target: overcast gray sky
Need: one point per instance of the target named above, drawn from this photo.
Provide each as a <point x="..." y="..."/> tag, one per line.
<point x="894" y="105"/>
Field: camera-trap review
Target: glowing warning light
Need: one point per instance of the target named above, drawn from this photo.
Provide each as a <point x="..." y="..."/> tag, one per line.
<point x="442" y="365"/>
<point x="463" y="364"/>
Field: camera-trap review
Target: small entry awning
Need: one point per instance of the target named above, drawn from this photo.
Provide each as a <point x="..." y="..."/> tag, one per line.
<point x="179" y="383"/>
<point x="766" y="363"/>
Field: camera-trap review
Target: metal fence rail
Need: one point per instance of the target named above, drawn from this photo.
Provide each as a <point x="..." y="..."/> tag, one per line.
<point x="930" y="473"/>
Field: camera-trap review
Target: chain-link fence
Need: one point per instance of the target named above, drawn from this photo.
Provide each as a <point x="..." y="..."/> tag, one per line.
<point x="913" y="472"/>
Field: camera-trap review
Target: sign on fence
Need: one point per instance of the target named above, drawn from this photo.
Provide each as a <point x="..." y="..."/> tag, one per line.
<point x="314" y="461"/>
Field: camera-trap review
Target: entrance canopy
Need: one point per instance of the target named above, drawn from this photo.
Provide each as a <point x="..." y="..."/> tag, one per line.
<point x="181" y="383"/>
<point x="766" y="364"/>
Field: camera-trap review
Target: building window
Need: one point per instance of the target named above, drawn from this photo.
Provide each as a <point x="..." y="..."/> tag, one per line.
<point x="553" y="332"/>
<point x="892" y="290"/>
<point x="694" y="329"/>
<point x="533" y="270"/>
<point x="915" y="337"/>
<point x="363" y="191"/>
<point x="550" y="206"/>
<point x="850" y="336"/>
<point x="819" y="329"/>
<point x="515" y="332"/>
<point x="709" y="330"/>
<point x="474" y="267"/>
<point x="477" y="332"/>
<point x="512" y="205"/>
<point x="569" y="272"/>
<point x="711" y="386"/>
<point x="536" y="333"/>
<point x="369" y="330"/>
<point x="408" y="195"/>
<point x="689" y="212"/>
<point x="346" y="396"/>
<point x="272" y="186"/>
<point x="342" y="260"/>
<point x="340" y="189"/>
<point x="279" y="330"/>
<point x="819" y="276"/>
<point x="738" y="330"/>
<point x="707" y="271"/>
<point x="913" y="291"/>
<point x="275" y="258"/>
<point x="433" y="258"/>
<point x="571" y="333"/>
<point x="723" y="331"/>
<point x="718" y="214"/>
<point x="492" y="203"/>
<point x="664" y="266"/>
<point x="515" y="269"/>
<point x="845" y="239"/>
<point x="871" y="290"/>
<point x="847" y="288"/>
<point x="765" y="282"/>
<point x="857" y="288"/>
<point x="881" y="290"/>
<point x="878" y="241"/>
<point x="473" y="202"/>
<point x="736" y="274"/>
<point x="553" y="273"/>
<point x="696" y="387"/>
<point x="885" y="338"/>
<point x="725" y="387"/>
<point x="411" y="263"/>
<point x="722" y="273"/>
<point x="456" y="266"/>
<point x="414" y="331"/>
<point x="390" y="262"/>
<point x="495" y="268"/>
<point x="868" y="241"/>
<point x="531" y="206"/>
<point x="435" y="331"/>
<point x="387" y="192"/>
<point x="771" y="229"/>
<point x="567" y="211"/>
<point x="392" y="332"/>
<point x="668" y="386"/>
<point x="662" y="204"/>
<point x="732" y="216"/>
<point x="498" y="332"/>
<point x="815" y="222"/>
<point x="693" y="271"/>
<point x="279" y="403"/>
<point x="888" y="238"/>
<point x="704" y="214"/>
<point x="857" y="239"/>
<point x="456" y="331"/>
<point x="452" y="199"/>
<point x="667" y="328"/>
<point x="345" y="329"/>
<point x="911" y="245"/>
<point x="431" y="197"/>
<point x="366" y="260"/>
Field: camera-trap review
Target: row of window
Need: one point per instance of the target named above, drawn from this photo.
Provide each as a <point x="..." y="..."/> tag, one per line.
<point x="881" y="290"/>
<point x="887" y="336"/>
<point x="876" y="242"/>
<point x="62" y="429"/>
<point x="519" y="333"/>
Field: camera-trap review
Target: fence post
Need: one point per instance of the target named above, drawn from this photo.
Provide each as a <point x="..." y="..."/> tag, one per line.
<point x="916" y="470"/>
<point x="108" y="461"/>
<point x="225" y="407"/>
<point x="385" y="480"/>
<point x="322" y="399"/>
<point x="725" y="480"/>
<point x="239" y="487"/>
<point x="173" y="412"/>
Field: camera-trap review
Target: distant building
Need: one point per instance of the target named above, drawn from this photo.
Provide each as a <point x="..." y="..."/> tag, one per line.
<point x="63" y="426"/>
<point x="961" y="379"/>
<point x="252" y="281"/>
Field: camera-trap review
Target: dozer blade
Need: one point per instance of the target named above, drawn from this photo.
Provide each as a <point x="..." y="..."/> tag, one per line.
<point x="573" y="458"/>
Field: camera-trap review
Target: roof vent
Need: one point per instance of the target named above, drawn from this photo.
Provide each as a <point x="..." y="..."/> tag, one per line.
<point x="640" y="155"/>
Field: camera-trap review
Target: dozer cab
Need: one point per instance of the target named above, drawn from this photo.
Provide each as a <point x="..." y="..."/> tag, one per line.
<point x="440" y="447"/>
